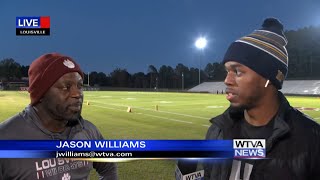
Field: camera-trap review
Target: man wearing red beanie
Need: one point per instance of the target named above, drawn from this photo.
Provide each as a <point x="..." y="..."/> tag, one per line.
<point x="55" y="87"/>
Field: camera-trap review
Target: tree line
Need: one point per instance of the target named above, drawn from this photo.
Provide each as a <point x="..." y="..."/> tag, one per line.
<point x="166" y="77"/>
<point x="304" y="63"/>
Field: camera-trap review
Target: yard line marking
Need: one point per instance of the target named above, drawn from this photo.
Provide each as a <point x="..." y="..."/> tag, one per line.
<point x="147" y="109"/>
<point x="215" y="107"/>
<point x="108" y="107"/>
<point x="205" y="125"/>
<point x="171" y="119"/>
<point x="317" y="118"/>
<point x="187" y="115"/>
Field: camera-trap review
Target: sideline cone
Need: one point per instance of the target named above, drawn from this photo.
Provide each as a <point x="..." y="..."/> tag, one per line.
<point x="129" y="109"/>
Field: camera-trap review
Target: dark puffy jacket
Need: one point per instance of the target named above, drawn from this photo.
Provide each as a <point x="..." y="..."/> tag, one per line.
<point x="293" y="147"/>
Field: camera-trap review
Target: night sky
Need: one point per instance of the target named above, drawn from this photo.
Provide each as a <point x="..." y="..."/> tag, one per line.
<point x="133" y="34"/>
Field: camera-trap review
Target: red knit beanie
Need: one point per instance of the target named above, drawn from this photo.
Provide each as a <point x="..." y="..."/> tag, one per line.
<point x="46" y="70"/>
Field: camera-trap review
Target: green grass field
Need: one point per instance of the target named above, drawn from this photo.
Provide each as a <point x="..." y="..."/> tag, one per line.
<point x="179" y="116"/>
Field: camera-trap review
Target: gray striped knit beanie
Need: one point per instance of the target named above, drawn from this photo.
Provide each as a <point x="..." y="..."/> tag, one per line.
<point x="263" y="51"/>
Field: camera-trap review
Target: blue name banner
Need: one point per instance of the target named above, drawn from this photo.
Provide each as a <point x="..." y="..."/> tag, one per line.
<point x="118" y="145"/>
<point x="27" y="154"/>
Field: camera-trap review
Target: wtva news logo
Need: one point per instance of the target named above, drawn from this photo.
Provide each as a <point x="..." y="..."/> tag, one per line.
<point x="198" y="175"/>
<point x="249" y="148"/>
<point x="33" y="26"/>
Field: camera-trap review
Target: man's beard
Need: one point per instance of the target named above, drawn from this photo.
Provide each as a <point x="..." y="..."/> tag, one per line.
<point x="249" y="103"/>
<point x="74" y="121"/>
<point x="237" y="109"/>
<point x="74" y="118"/>
<point x="60" y="114"/>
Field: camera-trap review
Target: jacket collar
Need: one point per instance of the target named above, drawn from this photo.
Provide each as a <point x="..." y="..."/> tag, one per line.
<point x="281" y="126"/>
<point x="228" y="120"/>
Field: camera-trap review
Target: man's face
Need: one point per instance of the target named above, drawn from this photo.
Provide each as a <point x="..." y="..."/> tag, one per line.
<point x="64" y="99"/>
<point x="245" y="88"/>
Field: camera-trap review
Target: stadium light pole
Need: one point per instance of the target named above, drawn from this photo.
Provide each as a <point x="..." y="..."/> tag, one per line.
<point x="200" y="43"/>
<point x="88" y="79"/>
<point x="182" y="81"/>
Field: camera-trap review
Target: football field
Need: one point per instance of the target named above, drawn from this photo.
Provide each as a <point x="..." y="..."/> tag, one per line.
<point x="153" y="115"/>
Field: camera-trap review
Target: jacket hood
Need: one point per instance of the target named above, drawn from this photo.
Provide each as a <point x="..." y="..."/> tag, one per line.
<point x="34" y="118"/>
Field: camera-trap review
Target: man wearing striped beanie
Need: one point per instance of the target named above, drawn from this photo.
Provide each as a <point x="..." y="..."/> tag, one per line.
<point x="257" y="65"/>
